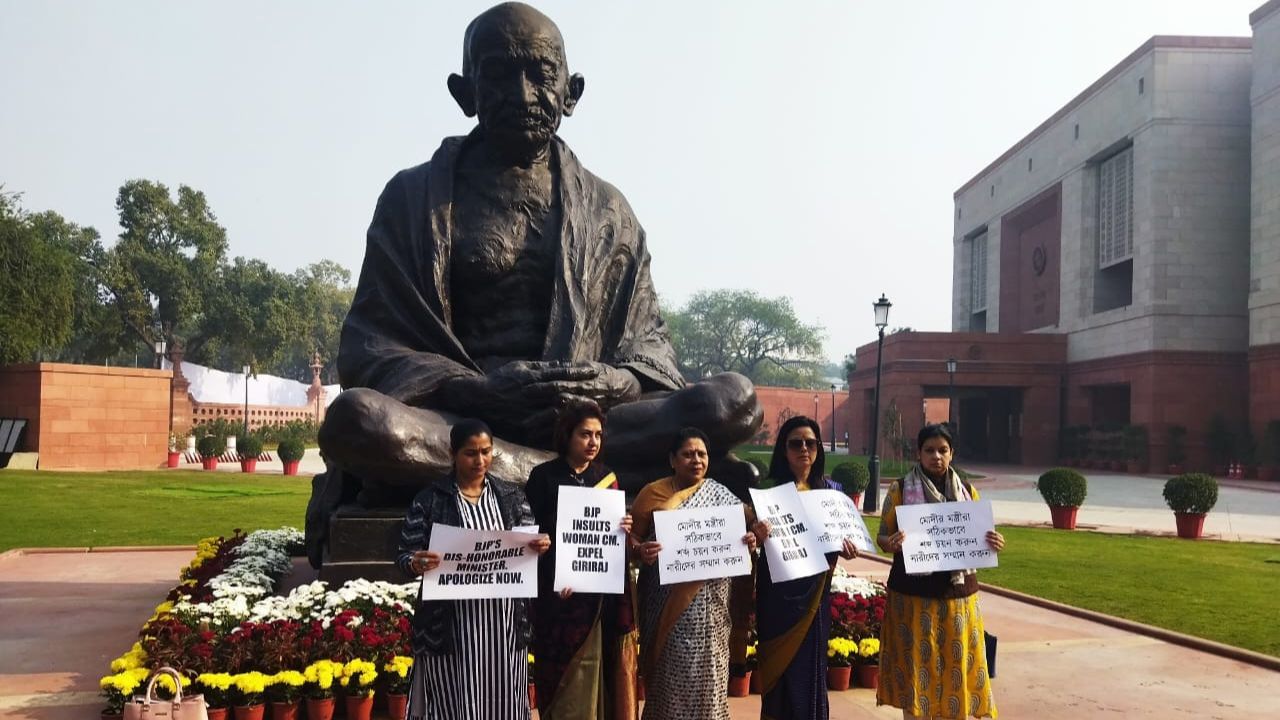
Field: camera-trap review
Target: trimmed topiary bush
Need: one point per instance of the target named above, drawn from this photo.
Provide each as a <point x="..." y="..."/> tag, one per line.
<point x="210" y="446"/>
<point x="1191" y="493"/>
<point x="853" y="477"/>
<point x="249" y="446"/>
<point x="291" y="449"/>
<point x="1063" y="487"/>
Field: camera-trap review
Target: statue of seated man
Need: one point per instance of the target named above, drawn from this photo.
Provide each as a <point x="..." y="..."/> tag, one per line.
<point x="500" y="279"/>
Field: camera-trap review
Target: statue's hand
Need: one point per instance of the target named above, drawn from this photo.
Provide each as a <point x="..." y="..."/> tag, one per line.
<point x="603" y="383"/>
<point x="522" y="384"/>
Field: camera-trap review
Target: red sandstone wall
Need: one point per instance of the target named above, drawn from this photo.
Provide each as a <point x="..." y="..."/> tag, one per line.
<point x="93" y="418"/>
<point x="1168" y="388"/>
<point x="20" y="398"/>
<point x="786" y="402"/>
<point x="1264" y="387"/>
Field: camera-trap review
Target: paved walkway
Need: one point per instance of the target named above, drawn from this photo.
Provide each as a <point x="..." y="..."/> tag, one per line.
<point x="67" y="614"/>
<point x="1246" y="510"/>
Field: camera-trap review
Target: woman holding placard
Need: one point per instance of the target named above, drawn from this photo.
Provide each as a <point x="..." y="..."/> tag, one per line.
<point x="933" y="661"/>
<point x="584" y="644"/>
<point x="469" y="655"/>
<point x="793" y="618"/>
<point x="684" y="627"/>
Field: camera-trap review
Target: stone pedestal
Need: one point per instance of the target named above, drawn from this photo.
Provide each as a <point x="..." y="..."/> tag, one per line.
<point x="362" y="544"/>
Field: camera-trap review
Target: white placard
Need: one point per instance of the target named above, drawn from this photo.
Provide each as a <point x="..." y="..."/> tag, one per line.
<point x="476" y="564"/>
<point x="835" y="516"/>
<point x="946" y="536"/>
<point x="792" y="546"/>
<point x="701" y="543"/>
<point x="591" y="549"/>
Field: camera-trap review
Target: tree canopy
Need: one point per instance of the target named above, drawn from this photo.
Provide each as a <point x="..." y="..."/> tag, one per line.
<point x="741" y="331"/>
<point x="166" y="277"/>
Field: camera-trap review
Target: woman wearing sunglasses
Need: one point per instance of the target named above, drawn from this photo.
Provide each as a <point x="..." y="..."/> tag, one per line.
<point x="793" y="618"/>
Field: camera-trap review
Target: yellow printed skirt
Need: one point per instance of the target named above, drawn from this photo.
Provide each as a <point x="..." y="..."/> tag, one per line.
<point x="933" y="660"/>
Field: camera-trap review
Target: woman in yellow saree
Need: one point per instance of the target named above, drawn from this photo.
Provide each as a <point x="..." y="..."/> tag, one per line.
<point x="684" y="627"/>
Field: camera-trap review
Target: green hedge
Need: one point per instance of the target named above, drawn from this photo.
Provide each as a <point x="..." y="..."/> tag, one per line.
<point x="1191" y="493"/>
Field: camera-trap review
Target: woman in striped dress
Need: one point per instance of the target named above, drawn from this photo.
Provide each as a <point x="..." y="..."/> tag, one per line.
<point x="470" y="656"/>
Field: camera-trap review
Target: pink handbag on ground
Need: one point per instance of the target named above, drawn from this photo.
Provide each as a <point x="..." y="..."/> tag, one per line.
<point x="148" y="707"/>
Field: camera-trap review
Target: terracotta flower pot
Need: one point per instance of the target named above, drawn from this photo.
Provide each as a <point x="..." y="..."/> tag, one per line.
<point x="359" y="707"/>
<point x="320" y="708"/>
<point x="857" y="500"/>
<point x="1190" y="525"/>
<point x="249" y="712"/>
<point x="284" y="710"/>
<point x="869" y="676"/>
<point x="838" y="678"/>
<point x="740" y="685"/>
<point x="1064" y="517"/>
<point x="209" y="463"/>
<point x="291" y="467"/>
<point x="174" y="458"/>
<point x="249" y="466"/>
<point x="398" y="705"/>
<point x="215" y="713"/>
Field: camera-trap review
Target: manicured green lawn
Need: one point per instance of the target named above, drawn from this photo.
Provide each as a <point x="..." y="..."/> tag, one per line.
<point x="1216" y="590"/>
<point x="1223" y="591"/>
<point x="174" y="507"/>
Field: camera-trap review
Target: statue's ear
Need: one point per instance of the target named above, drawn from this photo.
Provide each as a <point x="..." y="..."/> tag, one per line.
<point x="464" y="93"/>
<point x="576" y="85"/>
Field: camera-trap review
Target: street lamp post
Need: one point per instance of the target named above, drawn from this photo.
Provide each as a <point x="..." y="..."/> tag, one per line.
<point x="871" y="501"/>
<point x="833" y="417"/>
<point x="951" y="393"/>
<point x="815" y="407"/>
<point x="246" y="369"/>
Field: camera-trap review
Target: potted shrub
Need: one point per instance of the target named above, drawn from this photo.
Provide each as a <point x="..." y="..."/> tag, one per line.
<point x="1133" y="440"/>
<point x="357" y="678"/>
<point x="1177" y="449"/>
<point x="210" y="447"/>
<point x="397" y="673"/>
<point x="290" y="451"/>
<point x="869" y="662"/>
<point x="1270" y="452"/>
<point x="175" y="455"/>
<point x="853" y="477"/>
<point x="216" y="688"/>
<point x="1063" y="490"/>
<point x="840" y="652"/>
<point x="247" y="689"/>
<point x="1191" y="497"/>
<point x="284" y="691"/>
<point x="318" y="688"/>
<point x="250" y="447"/>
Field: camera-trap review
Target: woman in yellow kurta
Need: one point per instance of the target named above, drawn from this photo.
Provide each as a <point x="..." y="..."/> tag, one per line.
<point x="933" y="661"/>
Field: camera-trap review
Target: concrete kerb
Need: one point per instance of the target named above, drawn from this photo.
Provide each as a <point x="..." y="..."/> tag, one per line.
<point x="19" y="552"/>
<point x="1230" y="652"/>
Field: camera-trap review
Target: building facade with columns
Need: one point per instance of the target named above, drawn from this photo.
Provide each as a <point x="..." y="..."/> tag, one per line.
<point x="1139" y="226"/>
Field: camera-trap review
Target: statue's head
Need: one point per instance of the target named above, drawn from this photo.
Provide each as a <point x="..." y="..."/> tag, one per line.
<point x="515" y="78"/>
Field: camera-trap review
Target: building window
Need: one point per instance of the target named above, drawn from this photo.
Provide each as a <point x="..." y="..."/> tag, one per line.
<point x="978" y="273"/>
<point x="1115" y="209"/>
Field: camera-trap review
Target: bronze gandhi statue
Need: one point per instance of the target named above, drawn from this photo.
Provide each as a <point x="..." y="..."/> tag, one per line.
<point x="500" y="279"/>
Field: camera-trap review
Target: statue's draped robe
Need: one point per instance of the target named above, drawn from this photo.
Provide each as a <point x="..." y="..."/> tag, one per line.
<point x="397" y="338"/>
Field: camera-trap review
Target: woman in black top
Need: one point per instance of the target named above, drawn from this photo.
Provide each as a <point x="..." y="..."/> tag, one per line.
<point x="584" y="644"/>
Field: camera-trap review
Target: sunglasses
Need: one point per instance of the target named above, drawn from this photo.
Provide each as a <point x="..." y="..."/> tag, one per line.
<point x="802" y="444"/>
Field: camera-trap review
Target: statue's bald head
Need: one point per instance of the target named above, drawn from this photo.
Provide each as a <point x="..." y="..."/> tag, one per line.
<point x="515" y="78"/>
<point x="511" y="27"/>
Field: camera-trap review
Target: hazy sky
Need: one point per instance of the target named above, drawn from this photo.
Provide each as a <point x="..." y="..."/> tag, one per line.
<point x="807" y="149"/>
